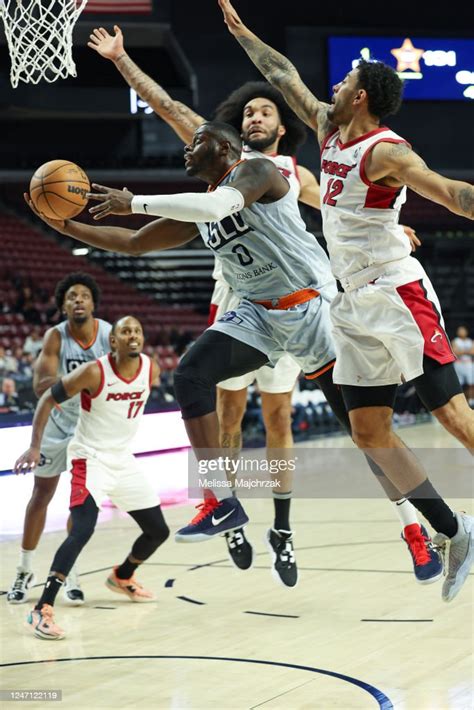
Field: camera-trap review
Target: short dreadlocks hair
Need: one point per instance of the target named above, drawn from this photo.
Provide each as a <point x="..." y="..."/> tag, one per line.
<point x="231" y="111"/>
<point x="77" y="277"/>
<point x="383" y="86"/>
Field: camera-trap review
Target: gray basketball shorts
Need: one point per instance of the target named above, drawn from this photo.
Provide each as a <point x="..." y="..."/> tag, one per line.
<point x="303" y="331"/>
<point x="53" y="452"/>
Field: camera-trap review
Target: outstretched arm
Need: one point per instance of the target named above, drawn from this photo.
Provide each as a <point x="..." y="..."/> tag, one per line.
<point x="280" y="72"/>
<point x="85" y="377"/>
<point x="402" y="166"/>
<point x="158" y="235"/>
<point x="180" y="117"/>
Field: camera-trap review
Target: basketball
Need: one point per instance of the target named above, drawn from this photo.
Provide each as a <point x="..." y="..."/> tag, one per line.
<point x="58" y="189"/>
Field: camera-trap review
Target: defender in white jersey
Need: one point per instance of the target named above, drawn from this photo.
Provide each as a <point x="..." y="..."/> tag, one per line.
<point x="78" y="339"/>
<point x="113" y="393"/>
<point x="386" y="319"/>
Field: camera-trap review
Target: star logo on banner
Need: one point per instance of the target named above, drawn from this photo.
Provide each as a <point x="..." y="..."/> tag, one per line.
<point x="407" y="56"/>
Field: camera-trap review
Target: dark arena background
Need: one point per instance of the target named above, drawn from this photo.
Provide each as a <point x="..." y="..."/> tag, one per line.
<point x="357" y="632"/>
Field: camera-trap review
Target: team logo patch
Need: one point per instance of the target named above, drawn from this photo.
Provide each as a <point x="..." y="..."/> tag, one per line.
<point x="231" y="317"/>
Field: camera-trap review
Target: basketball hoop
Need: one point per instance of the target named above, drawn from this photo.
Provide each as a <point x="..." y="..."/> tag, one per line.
<point x="39" y="36"/>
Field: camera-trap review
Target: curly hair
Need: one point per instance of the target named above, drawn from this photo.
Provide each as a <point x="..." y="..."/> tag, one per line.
<point x="383" y="86"/>
<point x="77" y="277"/>
<point x="231" y="111"/>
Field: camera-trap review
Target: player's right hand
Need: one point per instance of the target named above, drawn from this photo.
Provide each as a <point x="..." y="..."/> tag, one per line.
<point x="231" y="18"/>
<point x="106" y="45"/>
<point x="58" y="224"/>
<point x="27" y="461"/>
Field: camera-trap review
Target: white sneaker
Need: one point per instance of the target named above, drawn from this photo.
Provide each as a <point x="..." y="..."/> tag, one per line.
<point x="458" y="552"/>
<point x="18" y="593"/>
<point x="72" y="591"/>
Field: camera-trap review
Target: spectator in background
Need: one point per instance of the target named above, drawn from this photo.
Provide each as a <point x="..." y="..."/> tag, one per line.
<point x="8" y="364"/>
<point x="463" y="348"/>
<point x="34" y="342"/>
<point x="24" y="372"/>
<point x="9" y="397"/>
<point x="26" y="305"/>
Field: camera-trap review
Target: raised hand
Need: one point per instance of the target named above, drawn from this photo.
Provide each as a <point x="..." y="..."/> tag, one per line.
<point x="231" y="18"/>
<point x="58" y="224"/>
<point x="111" y="201"/>
<point x="27" y="461"/>
<point x="108" y="46"/>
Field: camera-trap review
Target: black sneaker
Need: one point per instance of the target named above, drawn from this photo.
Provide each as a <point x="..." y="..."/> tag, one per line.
<point x="18" y="593"/>
<point x="280" y="544"/>
<point x="239" y="548"/>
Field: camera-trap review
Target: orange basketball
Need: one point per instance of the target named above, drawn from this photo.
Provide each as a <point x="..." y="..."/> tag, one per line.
<point x="58" y="189"/>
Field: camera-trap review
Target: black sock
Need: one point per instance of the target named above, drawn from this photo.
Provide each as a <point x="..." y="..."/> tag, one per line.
<point x="51" y="588"/>
<point x="282" y="502"/>
<point x="428" y="501"/>
<point x="126" y="569"/>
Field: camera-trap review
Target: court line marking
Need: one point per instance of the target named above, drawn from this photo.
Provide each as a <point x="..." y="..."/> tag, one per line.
<point x="191" y="601"/>
<point x="266" y="613"/>
<point x="396" y="621"/>
<point x="383" y="701"/>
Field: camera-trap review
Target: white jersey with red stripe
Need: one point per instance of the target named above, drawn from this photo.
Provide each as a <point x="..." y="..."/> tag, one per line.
<point x="109" y="419"/>
<point x="286" y="164"/>
<point x="360" y="218"/>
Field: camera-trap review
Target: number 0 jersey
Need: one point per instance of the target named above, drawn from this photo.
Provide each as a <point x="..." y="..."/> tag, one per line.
<point x="360" y="218"/>
<point x="286" y="164"/>
<point x="265" y="249"/>
<point x="108" y="420"/>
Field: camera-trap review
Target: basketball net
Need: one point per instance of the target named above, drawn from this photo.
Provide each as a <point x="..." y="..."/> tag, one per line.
<point x="39" y="36"/>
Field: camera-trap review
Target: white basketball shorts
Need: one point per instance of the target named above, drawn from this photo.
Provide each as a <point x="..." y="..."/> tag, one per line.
<point x="103" y="476"/>
<point x="383" y="330"/>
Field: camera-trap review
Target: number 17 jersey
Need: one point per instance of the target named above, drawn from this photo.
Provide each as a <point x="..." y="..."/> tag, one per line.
<point x="108" y="420"/>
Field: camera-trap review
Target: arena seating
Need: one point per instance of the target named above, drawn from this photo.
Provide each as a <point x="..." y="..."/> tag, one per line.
<point x="36" y="259"/>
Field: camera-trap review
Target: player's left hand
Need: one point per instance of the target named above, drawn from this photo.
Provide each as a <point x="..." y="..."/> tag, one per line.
<point x="231" y="18"/>
<point x="112" y="201"/>
<point x="412" y="238"/>
<point x="27" y="461"/>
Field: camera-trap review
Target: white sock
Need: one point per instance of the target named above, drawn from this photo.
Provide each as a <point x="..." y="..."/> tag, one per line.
<point x="26" y="560"/>
<point x="406" y="512"/>
<point x="213" y="476"/>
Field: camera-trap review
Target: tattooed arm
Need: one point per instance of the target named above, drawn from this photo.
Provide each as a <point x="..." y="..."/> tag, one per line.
<point x="280" y="72"/>
<point x="180" y="117"/>
<point x="397" y="164"/>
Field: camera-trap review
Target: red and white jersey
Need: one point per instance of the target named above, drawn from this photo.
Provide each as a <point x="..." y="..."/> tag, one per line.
<point x="360" y="218"/>
<point x="287" y="165"/>
<point x="108" y="420"/>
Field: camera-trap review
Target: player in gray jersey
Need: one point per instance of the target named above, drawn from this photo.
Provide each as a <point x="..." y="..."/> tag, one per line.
<point x="273" y="263"/>
<point x="78" y="339"/>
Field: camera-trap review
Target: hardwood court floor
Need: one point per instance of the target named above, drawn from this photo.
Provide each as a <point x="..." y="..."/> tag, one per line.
<point x="357" y="632"/>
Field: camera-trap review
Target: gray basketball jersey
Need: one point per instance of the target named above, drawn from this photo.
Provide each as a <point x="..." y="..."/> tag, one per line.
<point x="266" y="251"/>
<point x="71" y="355"/>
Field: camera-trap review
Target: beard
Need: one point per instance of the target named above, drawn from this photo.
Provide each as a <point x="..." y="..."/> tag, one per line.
<point x="79" y="320"/>
<point x="261" y="144"/>
<point x="134" y="354"/>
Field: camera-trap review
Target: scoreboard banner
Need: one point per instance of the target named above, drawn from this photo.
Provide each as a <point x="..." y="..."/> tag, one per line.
<point x="432" y="68"/>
